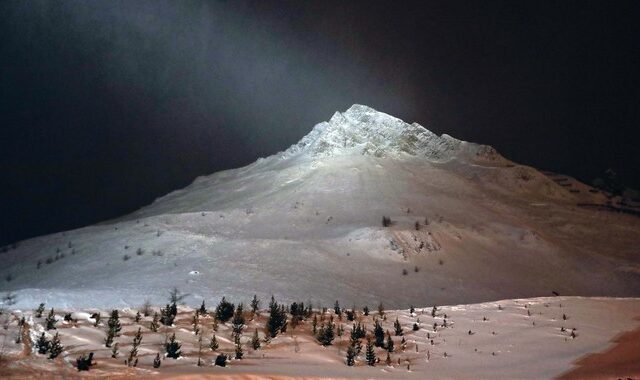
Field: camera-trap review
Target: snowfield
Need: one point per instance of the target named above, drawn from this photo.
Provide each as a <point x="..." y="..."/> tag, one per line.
<point x="520" y="338"/>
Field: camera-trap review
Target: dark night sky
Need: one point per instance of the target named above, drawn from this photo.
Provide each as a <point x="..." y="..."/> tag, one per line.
<point x="105" y="105"/>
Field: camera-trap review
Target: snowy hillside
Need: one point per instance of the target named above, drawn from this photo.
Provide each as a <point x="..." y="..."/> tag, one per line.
<point x="538" y="338"/>
<point x="467" y="225"/>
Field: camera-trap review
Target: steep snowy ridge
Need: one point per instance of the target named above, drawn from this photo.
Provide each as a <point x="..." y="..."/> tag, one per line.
<point x="363" y="130"/>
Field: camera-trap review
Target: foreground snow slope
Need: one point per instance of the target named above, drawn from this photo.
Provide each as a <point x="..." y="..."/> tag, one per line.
<point x="305" y="224"/>
<point x="509" y="339"/>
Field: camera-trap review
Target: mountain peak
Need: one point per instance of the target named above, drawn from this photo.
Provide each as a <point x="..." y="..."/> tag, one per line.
<point x="362" y="130"/>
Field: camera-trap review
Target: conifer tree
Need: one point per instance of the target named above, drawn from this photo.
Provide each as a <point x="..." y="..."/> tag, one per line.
<point x="109" y="339"/>
<point x="239" y="352"/>
<point x="114" y="323"/>
<point x="221" y="360"/>
<point x="397" y="327"/>
<point x="326" y="333"/>
<point x="203" y="309"/>
<point x="96" y="318"/>
<point x="137" y="317"/>
<point x="255" y="304"/>
<point x="365" y="311"/>
<point x="389" y="342"/>
<point x="238" y="321"/>
<point x="213" y="345"/>
<point x="133" y="354"/>
<point x="255" y="340"/>
<point x="168" y="314"/>
<point x="50" y="322"/>
<point x="336" y="308"/>
<point x="433" y="311"/>
<point x="114" y="351"/>
<point x="370" y="353"/>
<point x="39" y="311"/>
<point x="43" y="345"/>
<point x="314" y="324"/>
<point x="403" y="344"/>
<point x="199" y="364"/>
<point x="351" y="355"/>
<point x="172" y="347"/>
<point x="196" y="322"/>
<point x="55" y="348"/>
<point x="156" y="361"/>
<point x="380" y="309"/>
<point x="277" y="321"/>
<point x="388" y="360"/>
<point x="154" y="323"/>
<point x="379" y="334"/>
<point x="224" y="310"/>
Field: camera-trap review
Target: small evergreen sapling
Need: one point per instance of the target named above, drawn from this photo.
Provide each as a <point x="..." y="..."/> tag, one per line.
<point x="39" y="311"/>
<point x="172" y="347"/>
<point x="43" y="345"/>
<point x="213" y="345"/>
<point x="255" y="340"/>
<point x="351" y="355"/>
<point x="50" y="322"/>
<point x="370" y="353"/>
<point x="224" y="310"/>
<point x="397" y="327"/>
<point x="156" y="361"/>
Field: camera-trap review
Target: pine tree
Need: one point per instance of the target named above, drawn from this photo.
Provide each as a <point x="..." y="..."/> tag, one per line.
<point x="39" y="311"/>
<point x="96" y="318"/>
<point x="389" y="342"/>
<point x="379" y="334"/>
<point x="314" y="324"/>
<point x="43" y="345"/>
<point x="156" y="361"/>
<point x="114" y="351"/>
<point x="403" y="344"/>
<point x="50" y="322"/>
<point x="255" y="340"/>
<point x="397" y="327"/>
<point x="133" y="354"/>
<point x="196" y="322"/>
<point x="255" y="304"/>
<point x="213" y="345"/>
<point x="114" y="323"/>
<point x="433" y="311"/>
<point x="154" y="323"/>
<point x="224" y="310"/>
<point x="239" y="352"/>
<point x="412" y="310"/>
<point x="203" y="309"/>
<point x="109" y="339"/>
<point x="380" y="309"/>
<point x="370" y="353"/>
<point x="336" y="308"/>
<point x="172" y="347"/>
<point x="238" y="321"/>
<point x="277" y="321"/>
<point x="221" y="360"/>
<point x="137" y="318"/>
<point x="365" y="311"/>
<point x="168" y="314"/>
<point x="351" y="355"/>
<point x="326" y="333"/>
<point x="199" y="364"/>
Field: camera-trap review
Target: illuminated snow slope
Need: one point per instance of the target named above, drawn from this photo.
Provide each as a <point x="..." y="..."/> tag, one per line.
<point x="305" y="224"/>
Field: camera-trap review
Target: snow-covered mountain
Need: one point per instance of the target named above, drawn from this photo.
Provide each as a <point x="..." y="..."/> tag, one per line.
<point x="467" y="225"/>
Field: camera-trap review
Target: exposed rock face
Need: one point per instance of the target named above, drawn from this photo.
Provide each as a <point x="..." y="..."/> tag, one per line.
<point x="363" y="130"/>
